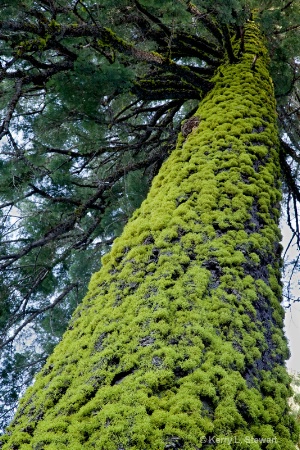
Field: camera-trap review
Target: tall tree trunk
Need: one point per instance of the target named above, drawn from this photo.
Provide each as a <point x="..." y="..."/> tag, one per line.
<point x="179" y="342"/>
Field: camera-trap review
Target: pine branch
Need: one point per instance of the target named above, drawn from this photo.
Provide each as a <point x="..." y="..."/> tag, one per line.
<point x="199" y="47"/>
<point x="290" y="151"/>
<point x="58" y="299"/>
<point x="152" y="18"/>
<point x="67" y="225"/>
<point x="287" y="5"/>
<point x="207" y="22"/>
<point x="166" y="90"/>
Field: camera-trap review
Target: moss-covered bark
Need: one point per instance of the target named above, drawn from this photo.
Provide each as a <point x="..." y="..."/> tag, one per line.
<point x="179" y="342"/>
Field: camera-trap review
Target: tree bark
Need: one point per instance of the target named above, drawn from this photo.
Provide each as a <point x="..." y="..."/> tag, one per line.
<point x="179" y="342"/>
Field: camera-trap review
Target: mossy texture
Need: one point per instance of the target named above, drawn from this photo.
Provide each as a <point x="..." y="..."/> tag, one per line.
<point x="179" y="342"/>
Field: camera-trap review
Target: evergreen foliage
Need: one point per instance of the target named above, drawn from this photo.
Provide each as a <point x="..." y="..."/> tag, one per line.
<point x="92" y="100"/>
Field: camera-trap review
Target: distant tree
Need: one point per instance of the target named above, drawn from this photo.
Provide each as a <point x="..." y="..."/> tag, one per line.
<point x="93" y="97"/>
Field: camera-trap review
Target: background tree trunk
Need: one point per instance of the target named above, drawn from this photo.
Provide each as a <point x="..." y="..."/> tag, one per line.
<point x="179" y="342"/>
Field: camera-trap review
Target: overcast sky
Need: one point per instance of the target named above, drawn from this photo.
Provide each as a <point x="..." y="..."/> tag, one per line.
<point x="292" y="329"/>
<point x="292" y="318"/>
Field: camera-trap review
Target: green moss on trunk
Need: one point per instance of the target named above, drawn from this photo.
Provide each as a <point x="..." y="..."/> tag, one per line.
<point x="179" y="342"/>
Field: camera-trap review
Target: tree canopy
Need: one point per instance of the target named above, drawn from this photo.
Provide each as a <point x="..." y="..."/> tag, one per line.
<point x="92" y="100"/>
